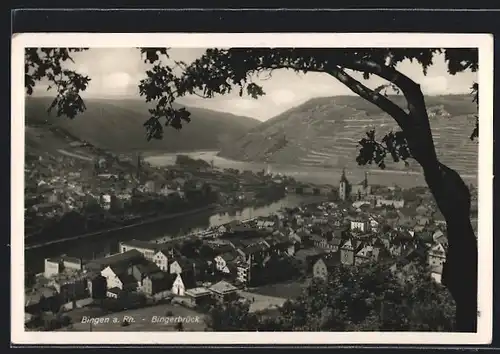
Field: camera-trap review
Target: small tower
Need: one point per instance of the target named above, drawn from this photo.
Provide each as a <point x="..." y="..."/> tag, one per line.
<point x="367" y="190"/>
<point x="139" y="165"/>
<point x="344" y="187"/>
<point x="365" y="181"/>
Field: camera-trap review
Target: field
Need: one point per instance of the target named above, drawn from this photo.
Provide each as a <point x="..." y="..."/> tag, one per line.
<point x="143" y="320"/>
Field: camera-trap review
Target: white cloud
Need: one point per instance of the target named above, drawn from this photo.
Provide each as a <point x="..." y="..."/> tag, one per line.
<point x="282" y="96"/>
<point x="117" y="81"/>
<point x="434" y="85"/>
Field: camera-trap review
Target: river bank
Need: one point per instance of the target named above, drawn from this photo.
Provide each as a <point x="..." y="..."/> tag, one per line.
<point x="307" y="174"/>
<point x="105" y="243"/>
<point x="144" y="222"/>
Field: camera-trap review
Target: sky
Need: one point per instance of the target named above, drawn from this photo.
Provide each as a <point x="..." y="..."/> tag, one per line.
<point x="116" y="72"/>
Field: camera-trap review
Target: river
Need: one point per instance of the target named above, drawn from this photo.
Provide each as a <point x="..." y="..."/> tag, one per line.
<point x="101" y="245"/>
<point x="108" y="243"/>
<point x="315" y="175"/>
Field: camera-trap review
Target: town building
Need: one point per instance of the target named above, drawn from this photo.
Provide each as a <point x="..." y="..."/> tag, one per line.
<point x="119" y="278"/>
<point x="325" y="265"/>
<point x="198" y="296"/>
<point x="127" y="258"/>
<point x="178" y="287"/>
<point x="366" y="254"/>
<point x="347" y="191"/>
<point x="436" y="257"/>
<point x="398" y="204"/>
<point x="348" y="251"/>
<point x="97" y="286"/>
<point x="160" y="258"/>
<point x="70" y="286"/>
<point x="55" y="266"/>
<point x="224" y="291"/>
<point x="243" y="272"/>
<point x="158" y="285"/>
<point x="361" y="225"/>
<point x="148" y="249"/>
<point x="361" y="190"/>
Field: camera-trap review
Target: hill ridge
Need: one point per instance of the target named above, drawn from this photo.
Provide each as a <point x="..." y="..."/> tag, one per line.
<point x="117" y="125"/>
<point x="324" y="132"/>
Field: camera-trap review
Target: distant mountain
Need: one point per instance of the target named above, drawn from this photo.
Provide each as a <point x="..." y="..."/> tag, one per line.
<point x="117" y="125"/>
<point x="324" y="132"/>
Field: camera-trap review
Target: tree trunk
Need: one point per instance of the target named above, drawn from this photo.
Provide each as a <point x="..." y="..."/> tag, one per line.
<point x="460" y="270"/>
<point x="449" y="190"/>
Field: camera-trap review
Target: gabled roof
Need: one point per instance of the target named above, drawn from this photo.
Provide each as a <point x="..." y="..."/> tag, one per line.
<point x="126" y="278"/>
<point x="185" y="263"/>
<point x="147" y="268"/>
<point x="116" y="290"/>
<point x="438" y="249"/>
<point x="161" y="277"/>
<point x="141" y="244"/>
<point x="317" y="238"/>
<point x="126" y="258"/>
<point x="348" y="245"/>
<point x="229" y="256"/>
<point x="255" y="248"/>
<point x="163" y="252"/>
<point x="304" y="254"/>
<point x="331" y="260"/>
<point x="222" y="248"/>
<point x="223" y="287"/>
<point x="377" y="242"/>
<point x="368" y="252"/>
<point x="438" y="269"/>
<point x="71" y="259"/>
<point x="335" y="241"/>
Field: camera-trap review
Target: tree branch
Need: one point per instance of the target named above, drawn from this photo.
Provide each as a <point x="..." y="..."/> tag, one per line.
<point x="418" y="120"/>
<point x="372" y="96"/>
<point x="410" y="88"/>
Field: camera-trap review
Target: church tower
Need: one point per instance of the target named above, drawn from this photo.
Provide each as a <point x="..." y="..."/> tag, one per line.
<point x="367" y="190"/>
<point x="139" y="165"/>
<point x="365" y="181"/>
<point x="344" y="187"/>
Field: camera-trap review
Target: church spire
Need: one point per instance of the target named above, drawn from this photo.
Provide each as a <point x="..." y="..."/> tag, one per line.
<point x="365" y="181"/>
<point x="343" y="177"/>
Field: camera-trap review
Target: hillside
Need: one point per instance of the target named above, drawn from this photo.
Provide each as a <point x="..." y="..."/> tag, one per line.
<point x="117" y="125"/>
<point x="324" y="132"/>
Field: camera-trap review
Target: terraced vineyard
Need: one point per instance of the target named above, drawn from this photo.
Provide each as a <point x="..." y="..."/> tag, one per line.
<point x="324" y="132"/>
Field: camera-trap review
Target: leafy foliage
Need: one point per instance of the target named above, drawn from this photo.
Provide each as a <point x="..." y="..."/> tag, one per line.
<point x="475" y="93"/>
<point x="370" y="298"/>
<point x="372" y="151"/>
<point x="231" y="317"/>
<point x="163" y="86"/>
